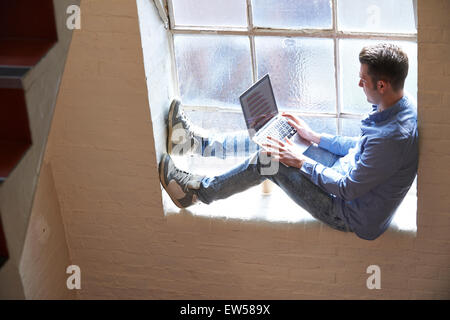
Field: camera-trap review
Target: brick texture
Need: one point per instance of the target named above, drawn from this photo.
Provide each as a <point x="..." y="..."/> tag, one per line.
<point x="101" y="149"/>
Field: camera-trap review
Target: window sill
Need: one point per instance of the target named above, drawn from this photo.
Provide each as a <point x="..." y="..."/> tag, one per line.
<point x="275" y="207"/>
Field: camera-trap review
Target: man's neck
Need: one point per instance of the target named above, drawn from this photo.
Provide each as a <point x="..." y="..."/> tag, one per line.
<point x="390" y="100"/>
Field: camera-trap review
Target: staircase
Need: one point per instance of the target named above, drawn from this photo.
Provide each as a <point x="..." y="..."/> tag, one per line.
<point x="27" y="33"/>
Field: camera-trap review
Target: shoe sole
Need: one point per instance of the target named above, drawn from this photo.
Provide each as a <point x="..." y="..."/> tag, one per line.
<point x="162" y="176"/>
<point x="170" y="126"/>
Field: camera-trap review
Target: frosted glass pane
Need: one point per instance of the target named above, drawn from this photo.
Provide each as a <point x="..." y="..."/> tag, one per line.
<point x="350" y="127"/>
<point x="354" y="99"/>
<point x="231" y="13"/>
<point x="217" y="122"/>
<point x="322" y="125"/>
<point x="376" y="16"/>
<point x="212" y="70"/>
<point x="301" y="71"/>
<point x="296" y="14"/>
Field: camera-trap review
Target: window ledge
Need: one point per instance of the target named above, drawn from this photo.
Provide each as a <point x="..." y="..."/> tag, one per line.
<point x="276" y="207"/>
<point x="251" y="204"/>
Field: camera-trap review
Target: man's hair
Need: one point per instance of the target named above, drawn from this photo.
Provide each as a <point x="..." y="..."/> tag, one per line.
<point x="386" y="62"/>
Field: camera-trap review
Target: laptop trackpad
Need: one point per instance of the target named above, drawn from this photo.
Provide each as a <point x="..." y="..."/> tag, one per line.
<point x="300" y="143"/>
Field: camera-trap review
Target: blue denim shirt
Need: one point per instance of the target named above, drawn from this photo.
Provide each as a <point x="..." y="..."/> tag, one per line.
<point x="374" y="172"/>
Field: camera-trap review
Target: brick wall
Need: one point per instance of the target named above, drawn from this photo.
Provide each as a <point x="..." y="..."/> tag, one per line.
<point x="101" y="149"/>
<point x="433" y="239"/>
<point x="45" y="255"/>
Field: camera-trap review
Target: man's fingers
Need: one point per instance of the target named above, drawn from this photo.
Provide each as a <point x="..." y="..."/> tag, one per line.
<point x="276" y="140"/>
<point x="288" y="114"/>
<point x="291" y="116"/>
<point x="271" y="148"/>
<point x="271" y="152"/>
<point x="288" y="141"/>
<point x="295" y="125"/>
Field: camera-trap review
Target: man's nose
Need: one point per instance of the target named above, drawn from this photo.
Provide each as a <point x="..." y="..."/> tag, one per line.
<point x="360" y="83"/>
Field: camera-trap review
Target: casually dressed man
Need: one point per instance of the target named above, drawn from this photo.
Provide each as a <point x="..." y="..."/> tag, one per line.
<point x="358" y="190"/>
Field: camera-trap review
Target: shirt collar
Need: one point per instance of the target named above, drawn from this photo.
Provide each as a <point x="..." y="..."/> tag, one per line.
<point x="376" y="117"/>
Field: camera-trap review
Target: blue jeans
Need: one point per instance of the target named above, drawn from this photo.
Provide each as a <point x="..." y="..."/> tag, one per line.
<point x="255" y="169"/>
<point x="226" y="145"/>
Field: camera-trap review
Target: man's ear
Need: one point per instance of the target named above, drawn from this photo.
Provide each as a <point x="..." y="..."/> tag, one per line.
<point x="382" y="85"/>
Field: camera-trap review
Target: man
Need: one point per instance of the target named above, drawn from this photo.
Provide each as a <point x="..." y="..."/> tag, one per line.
<point x="359" y="192"/>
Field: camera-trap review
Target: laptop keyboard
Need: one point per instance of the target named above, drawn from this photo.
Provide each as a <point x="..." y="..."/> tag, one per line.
<point x="279" y="130"/>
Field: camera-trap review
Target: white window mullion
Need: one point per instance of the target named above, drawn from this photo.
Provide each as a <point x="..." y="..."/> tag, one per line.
<point x="297" y="112"/>
<point x="336" y="66"/>
<point x="252" y="40"/>
<point x="171" y="16"/>
<point x="174" y="68"/>
<point x="253" y="58"/>
<point x="305" y="33"/>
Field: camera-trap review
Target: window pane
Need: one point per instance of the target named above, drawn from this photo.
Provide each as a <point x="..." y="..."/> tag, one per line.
<point x="376" y="16"/>
<point x="350" y="127"/>
<point x="354" y="100"/>
<point x="322" y="125"/>
<point x="301" y="71"/>
<point x="217" y="122"/>
<point x="231" y="13"/>
<point x="212" y="70"/>
<point x="296" y="14"/>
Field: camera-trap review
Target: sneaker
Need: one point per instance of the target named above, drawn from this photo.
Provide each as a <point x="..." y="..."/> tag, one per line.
<point x="180" y="185"/>
<point x="183" y="137"/>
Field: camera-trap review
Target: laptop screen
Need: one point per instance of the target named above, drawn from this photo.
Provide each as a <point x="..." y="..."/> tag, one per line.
<point x="258" y="104"/>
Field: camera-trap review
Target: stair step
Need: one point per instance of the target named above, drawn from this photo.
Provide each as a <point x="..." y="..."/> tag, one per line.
<point x="23" y="52"/>
<point x="10" y="77"/>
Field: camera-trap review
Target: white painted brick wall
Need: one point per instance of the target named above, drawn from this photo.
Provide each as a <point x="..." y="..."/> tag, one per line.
<point x="103" y="157"/>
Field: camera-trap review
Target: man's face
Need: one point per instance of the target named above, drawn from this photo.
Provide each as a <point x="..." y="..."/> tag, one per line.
<point x="369" y="87"/>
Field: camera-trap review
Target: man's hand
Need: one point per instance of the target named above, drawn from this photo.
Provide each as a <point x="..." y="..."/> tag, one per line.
<point x="302" y="128"/>
<point x="284" y="152"/>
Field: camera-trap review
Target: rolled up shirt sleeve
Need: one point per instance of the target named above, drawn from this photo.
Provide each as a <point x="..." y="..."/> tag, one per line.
<point x="380" y="158"/>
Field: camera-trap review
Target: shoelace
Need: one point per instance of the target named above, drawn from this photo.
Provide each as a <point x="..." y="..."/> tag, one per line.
<point x="186" y="121"/>
<point x="183" y="178"/>
<point x="190" y="128"/>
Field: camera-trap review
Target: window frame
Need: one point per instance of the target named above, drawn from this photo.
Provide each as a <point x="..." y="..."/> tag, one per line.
<point x="251" y="31"/>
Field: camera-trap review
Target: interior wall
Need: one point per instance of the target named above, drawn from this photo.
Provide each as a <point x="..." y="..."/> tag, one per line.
<point x="102" y="152"/>
<point x="101" y="148"/>
<point x="45" y="255"/>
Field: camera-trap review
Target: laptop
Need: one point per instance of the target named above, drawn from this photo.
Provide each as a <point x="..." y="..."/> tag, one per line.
<point x="263" y="119"/>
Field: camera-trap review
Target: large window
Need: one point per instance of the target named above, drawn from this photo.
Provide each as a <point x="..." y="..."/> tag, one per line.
<point x="309" y="47"/>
